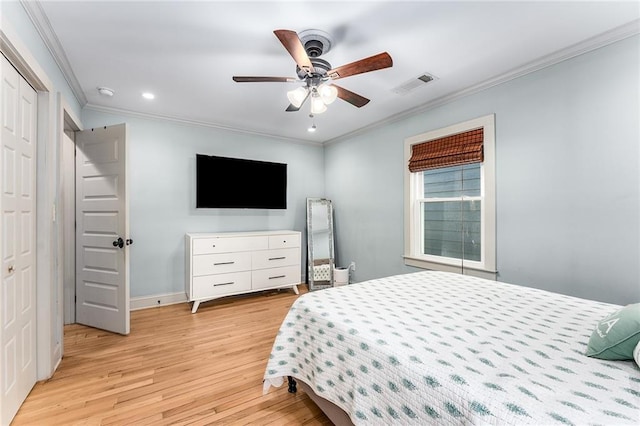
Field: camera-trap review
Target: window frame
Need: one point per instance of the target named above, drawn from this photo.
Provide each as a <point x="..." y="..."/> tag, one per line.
<point x="413" y="256"/>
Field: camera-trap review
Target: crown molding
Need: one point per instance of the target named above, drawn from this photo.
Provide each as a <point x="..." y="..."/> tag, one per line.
<point x="184" y="121"/>
<point x="43" y="26"/>
<point x="609" y="37"/>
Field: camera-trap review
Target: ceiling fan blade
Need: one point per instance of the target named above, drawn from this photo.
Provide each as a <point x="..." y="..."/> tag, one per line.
<point x="372" y="63"/>
<point x="248" y="79"/>
<point x="292" y="43"/>
<point x="353" y="98"/>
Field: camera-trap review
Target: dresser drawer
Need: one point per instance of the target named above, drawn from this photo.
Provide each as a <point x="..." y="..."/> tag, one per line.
<point x="284" y="241"/>
<point x="207" y="264"/>
<point x="275" y="258"/>
<point x="229" y="244"/>
<point x="221" y="284"/>
<point x="274" y="277"/>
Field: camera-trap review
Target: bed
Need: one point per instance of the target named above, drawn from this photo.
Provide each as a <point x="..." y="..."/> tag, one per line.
<point x="442" y="348"/>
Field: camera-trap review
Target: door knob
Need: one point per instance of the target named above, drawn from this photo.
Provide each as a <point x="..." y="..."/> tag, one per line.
<point x="11" y="269"/>
<point x="118" y="243"/>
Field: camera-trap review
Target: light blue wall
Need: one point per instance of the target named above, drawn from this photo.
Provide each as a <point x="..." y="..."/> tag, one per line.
<point x="162" y="158"/>
<point x="567" y="172"/>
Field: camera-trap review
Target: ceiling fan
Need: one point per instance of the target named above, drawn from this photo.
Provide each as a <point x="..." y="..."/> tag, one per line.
<point x="316" y="74"/>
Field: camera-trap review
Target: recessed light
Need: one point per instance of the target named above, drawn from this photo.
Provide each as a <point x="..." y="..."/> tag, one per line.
<point x="148" y="95"/>
<point x="312" y="128"/>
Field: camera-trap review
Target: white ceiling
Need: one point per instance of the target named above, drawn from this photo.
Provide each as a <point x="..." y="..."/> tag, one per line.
<point x="187" y="52"/>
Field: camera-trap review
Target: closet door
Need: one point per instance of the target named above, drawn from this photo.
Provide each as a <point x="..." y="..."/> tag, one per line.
<point x="17" y="241"/>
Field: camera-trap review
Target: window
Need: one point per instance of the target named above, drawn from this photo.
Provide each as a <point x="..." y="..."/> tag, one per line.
<point x="451" y="209"/>
<point x="450" y="199"/>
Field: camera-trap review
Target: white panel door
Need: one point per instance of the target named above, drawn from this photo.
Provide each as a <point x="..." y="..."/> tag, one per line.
<point x="17" y="241"/>
<point x="102" y="234"/>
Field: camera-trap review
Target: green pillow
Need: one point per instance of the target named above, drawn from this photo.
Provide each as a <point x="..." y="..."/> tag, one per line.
<point x="616" y="335"/>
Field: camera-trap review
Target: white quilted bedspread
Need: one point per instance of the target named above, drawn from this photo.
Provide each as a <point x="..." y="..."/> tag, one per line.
<point x="439" y="348"/>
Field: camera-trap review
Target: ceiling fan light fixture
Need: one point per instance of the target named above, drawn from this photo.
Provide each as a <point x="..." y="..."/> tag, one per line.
<point x="328" y="93"/>
<point x="297" y="96"/>
<point x="317" y="105"/>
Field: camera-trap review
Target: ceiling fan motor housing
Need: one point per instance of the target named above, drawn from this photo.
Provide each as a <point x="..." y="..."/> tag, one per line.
<point x="320" y="67"/>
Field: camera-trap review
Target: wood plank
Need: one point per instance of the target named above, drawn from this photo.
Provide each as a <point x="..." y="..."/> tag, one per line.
<point x="174" y="368"/>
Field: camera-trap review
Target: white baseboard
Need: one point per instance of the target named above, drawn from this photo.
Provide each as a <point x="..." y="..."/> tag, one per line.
<point x="136" y="303"/>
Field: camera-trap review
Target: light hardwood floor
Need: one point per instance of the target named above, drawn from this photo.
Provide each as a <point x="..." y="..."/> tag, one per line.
<point x="174" y="368"/>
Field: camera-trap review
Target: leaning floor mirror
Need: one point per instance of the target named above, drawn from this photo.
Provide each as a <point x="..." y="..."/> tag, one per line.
<point x="320" y="259"/>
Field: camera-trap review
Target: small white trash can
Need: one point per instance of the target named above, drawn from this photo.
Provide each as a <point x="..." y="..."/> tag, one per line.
<point x="340" y="276"/>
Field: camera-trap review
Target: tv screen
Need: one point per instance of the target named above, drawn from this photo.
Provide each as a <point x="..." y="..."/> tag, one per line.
<point x="223" y="182"/>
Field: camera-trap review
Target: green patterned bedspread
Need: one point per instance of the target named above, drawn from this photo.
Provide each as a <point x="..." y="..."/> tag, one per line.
<point x="434" y="347"/>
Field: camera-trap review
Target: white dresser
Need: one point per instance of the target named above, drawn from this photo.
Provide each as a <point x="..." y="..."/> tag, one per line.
<point x="230" y="263"/>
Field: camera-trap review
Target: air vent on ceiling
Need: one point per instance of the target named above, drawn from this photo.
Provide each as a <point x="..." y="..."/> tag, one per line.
<point x="414" y="83"/>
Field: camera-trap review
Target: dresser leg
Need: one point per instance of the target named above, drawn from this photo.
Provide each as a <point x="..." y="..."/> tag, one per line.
<point x="194" y="308"/>
<point x="295" y="289"/>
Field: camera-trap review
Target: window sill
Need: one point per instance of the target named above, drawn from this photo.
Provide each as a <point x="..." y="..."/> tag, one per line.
<point x="446" y="267"/>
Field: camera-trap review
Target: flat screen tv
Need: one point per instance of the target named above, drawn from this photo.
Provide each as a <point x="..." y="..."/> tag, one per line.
<point x="236" y="183"/>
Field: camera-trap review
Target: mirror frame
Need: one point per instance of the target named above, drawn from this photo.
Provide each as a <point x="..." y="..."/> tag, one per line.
<point x="312" y="262"/>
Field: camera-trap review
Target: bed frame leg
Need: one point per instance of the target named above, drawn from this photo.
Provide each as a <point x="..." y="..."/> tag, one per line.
<point x="292" y="384"/>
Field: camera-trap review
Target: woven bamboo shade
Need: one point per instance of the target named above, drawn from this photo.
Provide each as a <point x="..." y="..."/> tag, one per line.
<point x="452" y="150"/>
